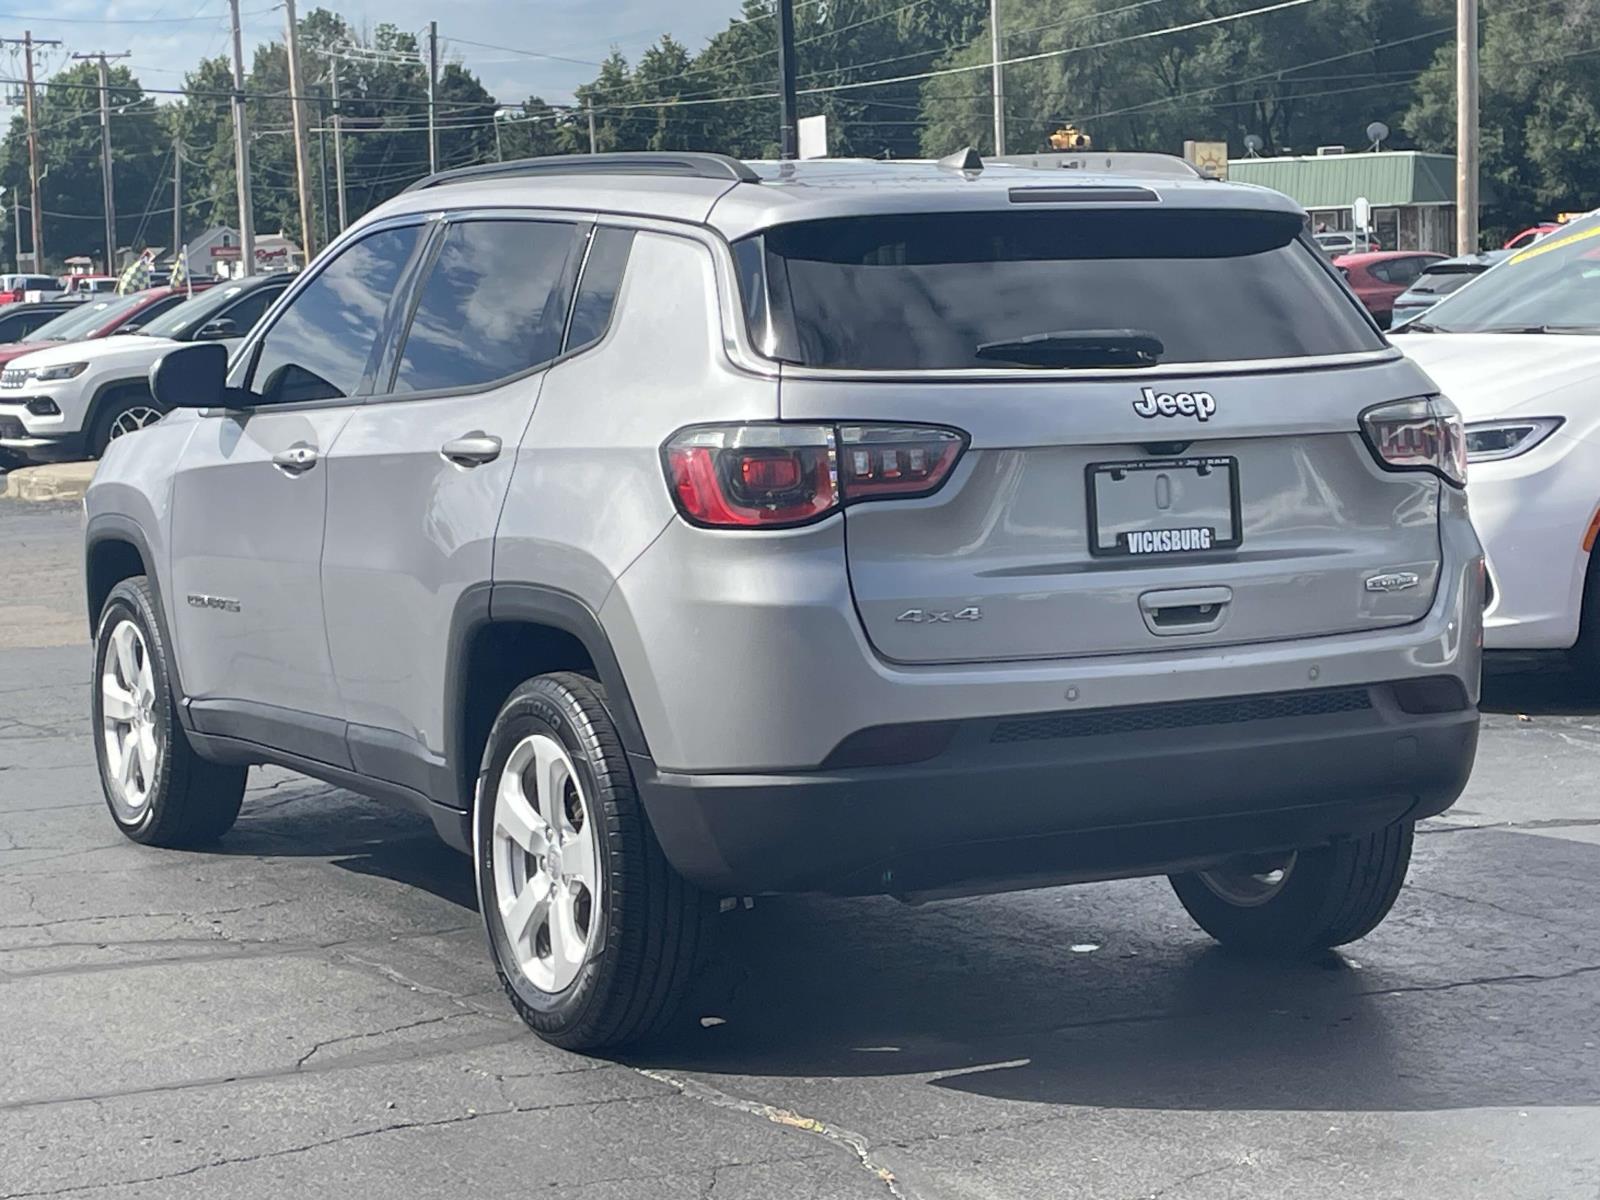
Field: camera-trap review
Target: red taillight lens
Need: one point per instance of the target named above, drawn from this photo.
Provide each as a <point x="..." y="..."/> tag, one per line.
<point x="774" y="475"/>
<point x="1418" y="435"/>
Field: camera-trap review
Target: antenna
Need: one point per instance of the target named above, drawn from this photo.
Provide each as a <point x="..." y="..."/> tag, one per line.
<point x="1253" y="144"/>
<point x="1376" y="132"/>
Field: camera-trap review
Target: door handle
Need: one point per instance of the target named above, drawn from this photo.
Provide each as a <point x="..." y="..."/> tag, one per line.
<point x="296" y="459"/>
<point x="471" y="449"/>
<point x="1185" y="610"/>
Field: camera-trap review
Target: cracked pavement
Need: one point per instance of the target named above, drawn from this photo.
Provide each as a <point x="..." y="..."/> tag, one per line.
<point x="309" y="1007"/>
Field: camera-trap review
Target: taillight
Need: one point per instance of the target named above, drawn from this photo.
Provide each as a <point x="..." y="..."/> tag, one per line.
<point x="1418" y="435"/>
<point x="774" y="476"/>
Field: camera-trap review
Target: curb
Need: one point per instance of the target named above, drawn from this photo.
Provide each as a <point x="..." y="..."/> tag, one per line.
<point x="58" y="481"/>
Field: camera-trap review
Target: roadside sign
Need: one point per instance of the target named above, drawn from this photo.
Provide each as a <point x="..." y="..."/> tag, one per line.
<point x="226" y="252"/>
<point x="1361" y="210"/>
<point x="813" y="133"/>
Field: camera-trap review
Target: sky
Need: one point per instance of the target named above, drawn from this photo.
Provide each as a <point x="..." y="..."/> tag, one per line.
<point x="167" y="37"/>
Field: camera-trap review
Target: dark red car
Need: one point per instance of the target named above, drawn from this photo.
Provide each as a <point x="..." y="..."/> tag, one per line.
<point x="1379" y="276"/>
<point x="100" y="317"/>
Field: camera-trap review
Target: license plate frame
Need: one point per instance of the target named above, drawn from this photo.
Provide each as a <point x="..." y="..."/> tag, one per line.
<point x="1201" y="466"/>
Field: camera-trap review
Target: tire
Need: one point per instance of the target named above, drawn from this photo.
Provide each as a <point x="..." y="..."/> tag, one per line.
<point x="131" y="405"/>
<point x="169" y="795"/>
<point x="1585" y="654"/>
<point x="635" y="922"/>
<point x="1326" y="897"/>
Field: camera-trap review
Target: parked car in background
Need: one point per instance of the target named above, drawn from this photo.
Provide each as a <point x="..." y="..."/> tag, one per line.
<point x="1519" y="353"/>
<point x="1089" y="539"/>
<point x="1379" y="277"/>
<point x="87" y="320"/>
<point x="81" y="287"/>
<point x="19" y="321"/>
<point x="1532" y="234"/>
<point x="14" y="289"/>
<point x="72" y="400"/>
<point x="1346" y="242"/>
<point x="1439" y="280"/>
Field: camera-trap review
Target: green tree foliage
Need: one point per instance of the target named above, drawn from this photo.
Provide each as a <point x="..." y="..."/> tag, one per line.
<point x="1539" y="123"/>
<point x="1298" y="78"/>
<point x="68" y="113"/>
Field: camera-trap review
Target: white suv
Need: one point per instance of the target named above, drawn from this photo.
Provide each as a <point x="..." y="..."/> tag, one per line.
<point x="71" y="400"/>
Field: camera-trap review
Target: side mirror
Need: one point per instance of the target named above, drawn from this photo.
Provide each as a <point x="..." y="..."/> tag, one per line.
<point x="216" y="331"/>
<point x="190" y="377"/>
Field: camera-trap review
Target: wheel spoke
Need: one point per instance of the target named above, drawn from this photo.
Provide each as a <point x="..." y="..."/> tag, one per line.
<point x="566" y="942"/>
<point x="527" y="912"/>
<point x="147" y="751"/>
<point x="578" y="859"/>
<point x="517" y="819"/>
<point x="116" y="703"/>
<point x="123" y="642"/>
<point x="129" y="751"/>
<point x="553" y="775"/>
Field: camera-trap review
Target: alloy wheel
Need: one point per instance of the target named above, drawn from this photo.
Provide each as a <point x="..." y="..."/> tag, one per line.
<point x="1251" y="886"/>
<point x="133" y="419"/>
<point x="127" y="719"/>
<point x="547" y="877"/>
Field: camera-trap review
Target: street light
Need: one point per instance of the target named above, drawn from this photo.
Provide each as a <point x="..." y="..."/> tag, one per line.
<point x="504" y="114"/>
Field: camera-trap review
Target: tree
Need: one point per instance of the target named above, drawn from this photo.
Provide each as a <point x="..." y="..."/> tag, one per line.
<point x="1539" y="110"/>
<point x="1297" y="78"/>
<point x="68" y="113"/>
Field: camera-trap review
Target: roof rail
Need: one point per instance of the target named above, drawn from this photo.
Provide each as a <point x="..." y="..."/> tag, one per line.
<point x="687" y="165"/>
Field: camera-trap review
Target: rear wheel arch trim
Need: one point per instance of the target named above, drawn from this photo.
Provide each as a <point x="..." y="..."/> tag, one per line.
<point x="484" y="605"/>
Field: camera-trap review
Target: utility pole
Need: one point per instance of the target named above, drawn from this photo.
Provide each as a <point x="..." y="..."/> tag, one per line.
<point x="433" y="84"/>
<point x="297" y="111"/>
<point x="241" y="150"/>
<point x="338" y="145"/>
<point x="322" y="167"/>
<point x="177" y="200"/>
<point x="28" y="43"/>
<point x="1466" y="126"/>
<point x="788" y="129"/>
<point x="109" y="198"/>
<point x="999" y="79"/>
<point x="593" y="148"/>
<point x="16" y="198"/>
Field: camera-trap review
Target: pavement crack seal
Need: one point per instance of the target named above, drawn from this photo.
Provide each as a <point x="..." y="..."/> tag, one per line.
<point x="356" y="1037"/>
<point x="853" y="1142"/>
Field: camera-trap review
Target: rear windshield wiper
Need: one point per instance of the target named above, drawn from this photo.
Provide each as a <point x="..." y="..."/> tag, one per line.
<point x="1077" y="348"/>
<point x="1540" y="329"/>
<point x="1417" y="327"/>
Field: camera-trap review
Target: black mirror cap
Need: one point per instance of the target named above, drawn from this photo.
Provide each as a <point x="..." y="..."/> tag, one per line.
<point x="190" y="376"/>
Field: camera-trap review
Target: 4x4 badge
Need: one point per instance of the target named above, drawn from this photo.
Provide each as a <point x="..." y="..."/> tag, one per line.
<point x="1151" y="403"/>
<point x="931" y="616"/>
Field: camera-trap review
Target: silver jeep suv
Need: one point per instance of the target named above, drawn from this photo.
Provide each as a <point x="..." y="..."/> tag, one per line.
<point x="669" y="528"/>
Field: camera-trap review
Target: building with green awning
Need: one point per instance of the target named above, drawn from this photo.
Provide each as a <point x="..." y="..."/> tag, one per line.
<point x="1412" y="193"/>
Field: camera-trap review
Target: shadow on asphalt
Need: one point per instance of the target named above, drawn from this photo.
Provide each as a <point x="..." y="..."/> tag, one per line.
<point x="1545" y="684"/>
<point x="988" y="996"/>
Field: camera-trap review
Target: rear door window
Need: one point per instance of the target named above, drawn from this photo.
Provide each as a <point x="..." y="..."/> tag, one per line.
<point x="954" y="290"/>
<point x="492" y="305"/>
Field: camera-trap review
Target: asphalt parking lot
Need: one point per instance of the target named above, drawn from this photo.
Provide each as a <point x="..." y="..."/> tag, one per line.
<point x="309" y="1008"/>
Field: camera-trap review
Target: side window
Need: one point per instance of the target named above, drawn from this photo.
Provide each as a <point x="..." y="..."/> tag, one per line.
<point x="319" y="347"/>
<point x="492" y="305"/>
<point x="249" y="310"/>
<point x="597" y="290"/>
<point x="149" y="313"/>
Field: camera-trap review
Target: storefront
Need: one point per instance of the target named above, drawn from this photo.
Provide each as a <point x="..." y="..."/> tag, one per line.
<point x="1411" y="193"/>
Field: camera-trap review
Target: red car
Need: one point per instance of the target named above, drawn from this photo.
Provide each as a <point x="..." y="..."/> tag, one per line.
<point x="1379" y="276"/>
<point x="100" y="317"/>
<point x="1530" y="235"/>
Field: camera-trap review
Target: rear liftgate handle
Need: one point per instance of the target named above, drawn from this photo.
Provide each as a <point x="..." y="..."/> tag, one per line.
<point x="472" y="449"/>
<point x="1185" y="610"/>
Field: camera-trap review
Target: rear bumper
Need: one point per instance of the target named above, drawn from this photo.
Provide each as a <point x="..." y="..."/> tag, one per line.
<point x="1068" y="797"/>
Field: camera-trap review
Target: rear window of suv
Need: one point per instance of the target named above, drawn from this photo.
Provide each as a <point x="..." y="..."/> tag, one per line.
<point x="927" y="291"/>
